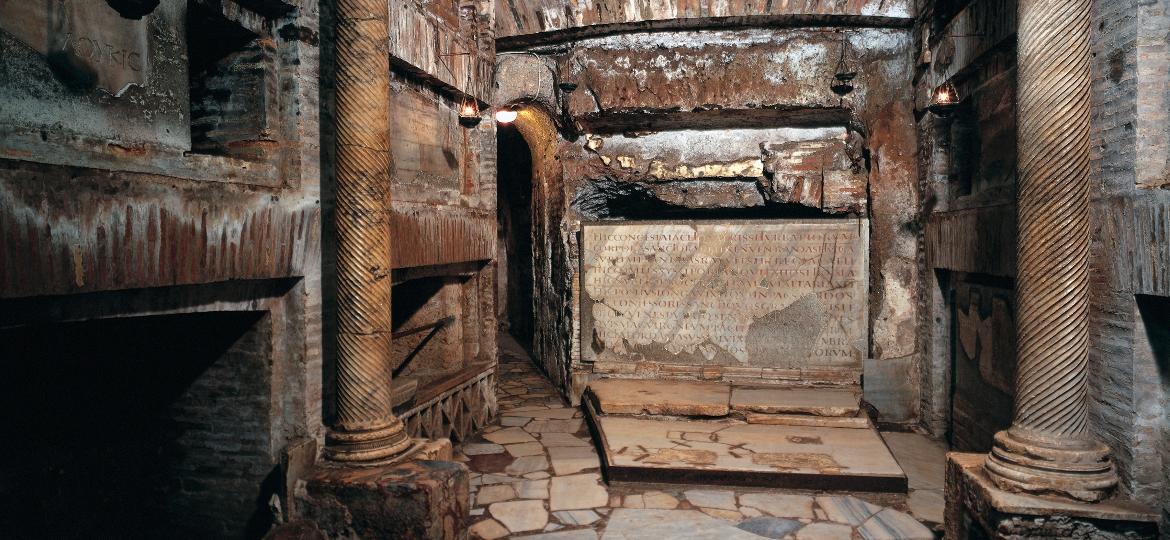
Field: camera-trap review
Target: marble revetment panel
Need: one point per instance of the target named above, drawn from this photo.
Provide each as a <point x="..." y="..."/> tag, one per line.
<point x="786" y="294"/>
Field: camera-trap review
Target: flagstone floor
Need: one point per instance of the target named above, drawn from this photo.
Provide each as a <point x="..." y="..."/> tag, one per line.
<point x="535" y="474"/>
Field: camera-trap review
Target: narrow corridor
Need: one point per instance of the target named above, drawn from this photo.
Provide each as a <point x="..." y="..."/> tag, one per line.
<point x="535" y="474"/>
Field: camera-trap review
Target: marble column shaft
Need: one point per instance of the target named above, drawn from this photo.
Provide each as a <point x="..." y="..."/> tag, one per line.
<point x="1049" y="449"/>
<point x="365" y="431"/>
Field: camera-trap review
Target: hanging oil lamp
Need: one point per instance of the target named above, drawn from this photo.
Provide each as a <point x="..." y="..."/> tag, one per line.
<point x="944" y="100"/>
<point x="843" y="77"/>
<point x="469" y="112"/>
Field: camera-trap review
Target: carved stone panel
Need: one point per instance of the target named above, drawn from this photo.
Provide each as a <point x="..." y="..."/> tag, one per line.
<point x="784" y="294"/>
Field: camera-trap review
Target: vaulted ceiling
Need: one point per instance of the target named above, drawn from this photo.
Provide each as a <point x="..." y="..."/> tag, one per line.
<point x="516" y="19"/>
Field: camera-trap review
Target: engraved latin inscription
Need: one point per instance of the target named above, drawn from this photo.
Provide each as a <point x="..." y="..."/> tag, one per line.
<point x="760" y="294"/>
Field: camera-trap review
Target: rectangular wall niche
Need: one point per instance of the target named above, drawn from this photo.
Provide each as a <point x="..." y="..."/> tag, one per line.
<point x="984" y="352"/>
<point x="153" y="427"/>
<point x="780" y="298"/>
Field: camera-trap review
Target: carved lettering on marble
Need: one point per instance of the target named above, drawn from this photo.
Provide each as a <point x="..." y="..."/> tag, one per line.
<point x="775" y="294"/>
<point x="86" y="41"/>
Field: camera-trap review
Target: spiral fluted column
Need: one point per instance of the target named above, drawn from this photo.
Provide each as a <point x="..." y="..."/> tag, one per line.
<point x="365" y="430"/>
<point x="1048" y="449"/>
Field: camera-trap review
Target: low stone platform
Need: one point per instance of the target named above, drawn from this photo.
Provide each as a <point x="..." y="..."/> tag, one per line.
<point x="697" y="432"/>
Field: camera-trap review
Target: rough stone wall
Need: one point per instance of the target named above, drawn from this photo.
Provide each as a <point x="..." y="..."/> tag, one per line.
<point x="968" y="186"/>
<point x="1130" y="249"/>
<point x="110" y="199"/>
<point x="667" y="134"/>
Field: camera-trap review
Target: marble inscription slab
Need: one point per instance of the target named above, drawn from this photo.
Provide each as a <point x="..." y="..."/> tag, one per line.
<point x="773" y="294"/>
<point x="87" y="37"/>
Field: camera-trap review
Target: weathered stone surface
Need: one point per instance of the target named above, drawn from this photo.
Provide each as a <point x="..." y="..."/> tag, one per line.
<point x="684" y="398"/>
<point x="659" y="500"/>
<point x="520" y="516"/>
<point x="711" y="498"/>
<point x="571" y="425"/>
<point x="971" y="497"/>
<point x="776" y="294"/>
<point x="812" y="401"/>
<point x="780" y="504"/>
<point x="770" y="527"/>
<point x="576" y="517"/>
<point x="825" y="531"/>
<point x="553" y="439"/>
<point x="527" y="464"/>
<point x="416" y="499"/>
<point x="572" y="459"/>
<point x="488" y="529"/>
<point x="511" y="435"/>
<point x="825" y="173"/>
<point x="525" y="449"/>
<point x="848" y="422"/>
<point x="576" y="534"/>
<point x="891" y="524"/>
<point x="577" y="492"/>
<point x="923" y="459"/>
<point x="532" y="489"/>
<point x="631" y="524"/>
<point x="846" y="509"/>
<point x="493" y="494"/>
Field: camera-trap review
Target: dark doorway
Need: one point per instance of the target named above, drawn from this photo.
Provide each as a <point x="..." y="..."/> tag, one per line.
<point x="514" y="208"/>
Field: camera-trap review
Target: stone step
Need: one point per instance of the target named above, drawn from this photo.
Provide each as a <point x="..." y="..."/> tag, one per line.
<point x="767" y="404"/>
<point x="838" y="402"/>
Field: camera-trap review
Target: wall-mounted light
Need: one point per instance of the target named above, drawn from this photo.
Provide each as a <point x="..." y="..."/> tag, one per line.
<point x="944" y="100"/>
<point x="469" y="112"/>
<point x="506" y="116"/>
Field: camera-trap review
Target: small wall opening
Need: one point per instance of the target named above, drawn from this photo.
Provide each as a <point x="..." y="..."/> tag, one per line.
<point x="428" y="344"/>
<point x="232" y="86"/>
<point x="1152" y="370"/>
<point x="157" y="427"/>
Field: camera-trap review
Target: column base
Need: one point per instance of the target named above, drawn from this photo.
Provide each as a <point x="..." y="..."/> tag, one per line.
<point x="976" y="508"/>
<point x="1078" y="469"/>
<point x="375" y="447"/>
<point x="419" y="498"/>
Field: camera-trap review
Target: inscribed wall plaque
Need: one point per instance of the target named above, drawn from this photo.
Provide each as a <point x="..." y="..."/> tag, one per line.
<point x="787" y="294"/>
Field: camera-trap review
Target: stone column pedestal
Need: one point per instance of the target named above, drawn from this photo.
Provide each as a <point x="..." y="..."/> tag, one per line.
<point x="977" y="509"/>
<point x="427" y="497"/>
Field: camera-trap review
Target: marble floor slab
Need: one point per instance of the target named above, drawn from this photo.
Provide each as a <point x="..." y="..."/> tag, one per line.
<point x="642" y="449"/>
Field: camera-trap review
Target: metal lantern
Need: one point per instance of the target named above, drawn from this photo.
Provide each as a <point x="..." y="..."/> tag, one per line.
<point x="469" y="112"/>
<point x="944" y="100"/>
<point x="843" y="76"/>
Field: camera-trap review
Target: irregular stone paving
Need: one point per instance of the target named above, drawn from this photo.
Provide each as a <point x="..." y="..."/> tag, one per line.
<point x="535" y="475"/>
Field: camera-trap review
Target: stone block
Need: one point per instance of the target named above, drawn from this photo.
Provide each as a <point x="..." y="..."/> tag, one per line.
<point x="976" y="508"/>
<point x="415" y="500"/>
<point x="890" y="388"/>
